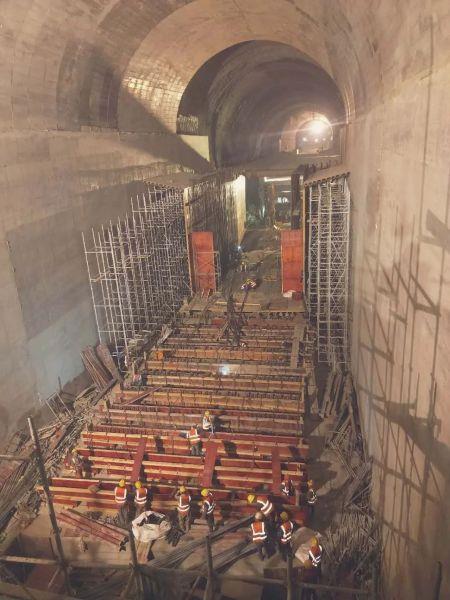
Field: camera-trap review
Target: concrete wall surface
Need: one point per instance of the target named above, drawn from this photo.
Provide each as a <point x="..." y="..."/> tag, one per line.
<point x="89" y="97"/>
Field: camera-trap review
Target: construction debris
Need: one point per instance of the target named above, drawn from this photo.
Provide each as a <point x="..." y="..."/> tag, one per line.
<point x="353" y="540"/>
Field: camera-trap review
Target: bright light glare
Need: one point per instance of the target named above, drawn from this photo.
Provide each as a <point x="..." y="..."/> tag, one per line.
<point x="317" y="126"/>
<point x="224" y="370"/>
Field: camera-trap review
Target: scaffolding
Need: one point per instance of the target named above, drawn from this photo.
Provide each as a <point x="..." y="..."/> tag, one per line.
<point x="138" y="269"/>
<point x="328" y="281"/>
<point x="211" y="206"/>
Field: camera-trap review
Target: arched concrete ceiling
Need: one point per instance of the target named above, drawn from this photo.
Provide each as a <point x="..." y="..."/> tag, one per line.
<point x="246" y="94"/>
<point x="176" y="48"/>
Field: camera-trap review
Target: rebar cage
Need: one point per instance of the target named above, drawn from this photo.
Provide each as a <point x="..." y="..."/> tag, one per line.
<point x="138" y="269"/>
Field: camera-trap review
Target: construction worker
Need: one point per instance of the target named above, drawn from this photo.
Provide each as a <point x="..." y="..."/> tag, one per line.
<point x="313" y="569"/>
<point x="208" y="509"/>
<point x="264" y="505"/>
<point x="183" y="508"/>
<point x="194" y="441"/>
<point x="315" y="555"/>
<point x="287" y="487"/>
<point x="259" y="535"/>
<point x="249" y="284"/>
<point x="208" y="422"/>
<point x="311" y="497"/>
<point x="285" y="536"/>
<point x="121" y="493"/>
<point x="140" y="497"/>
<point x="77" y="463"/>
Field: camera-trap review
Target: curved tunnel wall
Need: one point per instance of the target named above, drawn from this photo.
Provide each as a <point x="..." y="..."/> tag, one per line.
<point x="246" y="94"/>
<point x="89" y="96"/>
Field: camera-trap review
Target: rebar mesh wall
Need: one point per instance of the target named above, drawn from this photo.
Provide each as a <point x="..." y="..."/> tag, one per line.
<point x="211" y="206"/>
<point x="328" y="282"/>
<point x="138" y="268"/>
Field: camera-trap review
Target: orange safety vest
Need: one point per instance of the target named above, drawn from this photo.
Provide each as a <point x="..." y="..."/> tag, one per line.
<point x="286" y="529"/>
<point x="193" y="436"/>
<point x="259" y="533"/>
<point x="266" y="505"/>
<point x="184" y="504"/>
<point x="209" y="504"/>
<point x="315" y="556"/>
<point x="141" y="496"/>
<point x="120" y="494"/>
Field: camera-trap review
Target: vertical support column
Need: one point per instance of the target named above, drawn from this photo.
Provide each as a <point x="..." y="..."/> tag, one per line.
<point x="289" y="578"/>
<point x="51" y="510"/>
<point x="209" y="591"/>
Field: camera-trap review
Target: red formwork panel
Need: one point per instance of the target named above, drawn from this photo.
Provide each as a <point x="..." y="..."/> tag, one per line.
<point x="202" y="260"/>
<point x="292" y="260"/>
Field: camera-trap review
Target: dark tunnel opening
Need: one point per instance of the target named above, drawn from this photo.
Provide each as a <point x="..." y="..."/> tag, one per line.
<point x="253" y="98"/>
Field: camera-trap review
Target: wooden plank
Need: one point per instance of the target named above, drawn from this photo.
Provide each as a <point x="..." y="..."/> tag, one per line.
<point x="210" y="461"/>
<point x="276" y="470"/>
<point x="139" y="457"/>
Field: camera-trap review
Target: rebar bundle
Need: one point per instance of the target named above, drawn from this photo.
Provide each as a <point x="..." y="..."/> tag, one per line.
<point x="138" y="269"/>
<point x="328" y="282"/>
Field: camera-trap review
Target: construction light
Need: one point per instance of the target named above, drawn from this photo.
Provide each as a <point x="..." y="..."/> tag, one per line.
<point x="317" y="126"/>
<point x="224" y="370"/>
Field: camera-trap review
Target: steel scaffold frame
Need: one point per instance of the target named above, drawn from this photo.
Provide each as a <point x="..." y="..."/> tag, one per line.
<point x="328" y="283"/>
<point x="138" y="269"/>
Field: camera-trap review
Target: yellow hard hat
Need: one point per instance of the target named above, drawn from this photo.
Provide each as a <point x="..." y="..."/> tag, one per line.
<point x="138" y="484"/>
<point x="182" y="489"/>
<point x="284" y="516"/>
<point x="74" y="450"/>
<point x="207" y="413"/>
<point x="122" y="483"/>
<point x="204" y="492"/>
<point x="314" y="542"/>
<point x="259" y="516"/>
<point x="310" y="482"/>
<point x="251" y="498"/>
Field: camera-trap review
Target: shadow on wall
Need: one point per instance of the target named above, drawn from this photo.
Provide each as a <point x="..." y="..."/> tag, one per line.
<point x="139" y="128"/>
<point x="400" y="378"/>
<point x="412" y="467"/>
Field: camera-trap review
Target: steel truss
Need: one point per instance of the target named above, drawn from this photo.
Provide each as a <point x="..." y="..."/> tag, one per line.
<point x="328" y="281"/>
<point x="138" y="269"/>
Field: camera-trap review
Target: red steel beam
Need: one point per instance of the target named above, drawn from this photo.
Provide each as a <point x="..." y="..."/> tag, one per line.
<point x="210" y="461"/>
<point x="139" y="457"/>
<point x="276" y="470"/>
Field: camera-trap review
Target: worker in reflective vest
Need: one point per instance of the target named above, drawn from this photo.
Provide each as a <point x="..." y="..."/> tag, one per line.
<point x="208" y="422"/>
<point x="194" y="441"/>
<point x="285" y="536"/>
<point x="286" y="487"/>
<point x="120" y="493"/>
<point x="315" y="555"/>
<point x="311" y="497"/>
<point x="183" y="508"/>
<point x="140" y="497"/>
<point x="264" y="505"/>
<point x="208" y="509"/>
<point x="259" y="535"/>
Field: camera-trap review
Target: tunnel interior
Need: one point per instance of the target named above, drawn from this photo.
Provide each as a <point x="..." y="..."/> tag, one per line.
<point x="249" y="96"/>
<point x="101" y="98"/>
